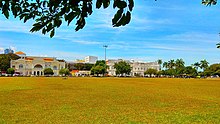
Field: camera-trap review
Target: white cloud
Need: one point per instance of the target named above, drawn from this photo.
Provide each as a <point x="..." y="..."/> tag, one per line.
<point x="14" y="26"/>
<point x="86" y="42"/>
<point x="83" y="42"/>
<point x="194" y="36"/>
<point x="1" y="50"/>
<point x="13" y="48"/>
<point x="69" y="56"/>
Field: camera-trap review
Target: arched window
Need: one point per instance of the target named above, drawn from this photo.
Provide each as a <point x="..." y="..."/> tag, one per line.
<point x="38" y="66"/>
<point x="54" y="67"/>
<point x="20" y="66"/>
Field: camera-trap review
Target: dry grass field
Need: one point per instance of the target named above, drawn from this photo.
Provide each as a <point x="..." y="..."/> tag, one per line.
<point x="109" y="100"/>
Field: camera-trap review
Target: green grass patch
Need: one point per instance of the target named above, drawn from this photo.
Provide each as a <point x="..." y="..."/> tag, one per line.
<point x="109" y="100"/>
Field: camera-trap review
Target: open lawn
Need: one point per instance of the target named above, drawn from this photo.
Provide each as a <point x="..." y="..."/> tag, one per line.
<point x="109" y="100"/>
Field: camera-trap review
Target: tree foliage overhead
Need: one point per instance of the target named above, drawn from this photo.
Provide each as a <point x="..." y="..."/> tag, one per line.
<point x="218" y="45"/>
<point x="50" y="14"/>
<point x="209" y="2"/>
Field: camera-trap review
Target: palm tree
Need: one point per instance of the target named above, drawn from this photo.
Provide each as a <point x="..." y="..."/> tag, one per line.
<point x="179" y="63"/>
<point x="218" y="45"/>
<point x="196" y="65"/>
<point x="204" y="64"/>
<point x="159" y="62"/>
<point x="171" y="64"/>
<point x="165" y="64"/>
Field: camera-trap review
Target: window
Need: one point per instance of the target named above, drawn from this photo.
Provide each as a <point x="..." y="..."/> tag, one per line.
<point x="20" y="66"/>
<point x="47" y="64"/>
<point x="54" y="67"/>
<point x="38" y="66"/>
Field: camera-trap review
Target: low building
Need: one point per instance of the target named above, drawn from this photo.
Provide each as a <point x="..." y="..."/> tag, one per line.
<point x="91" y="59"/>
<point x="79" y="73"/>
<point x="33" y="65"/>
<point x="138" y="68"/>
<point x="111" y="62"/>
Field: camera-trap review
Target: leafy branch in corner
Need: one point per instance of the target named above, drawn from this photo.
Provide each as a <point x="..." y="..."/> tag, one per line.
<point x="50" y="14"/>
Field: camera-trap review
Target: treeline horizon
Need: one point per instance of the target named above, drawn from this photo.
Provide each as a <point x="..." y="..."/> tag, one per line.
<point x="174" y="68"/>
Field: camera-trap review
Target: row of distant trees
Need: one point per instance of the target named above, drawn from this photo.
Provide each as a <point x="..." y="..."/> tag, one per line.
<point x="47" y="72"/>
<point x="177" y="68"/>
<point x="63" y="72"/>
<point x="171" y="68"/>
<point x="174" y="68"/>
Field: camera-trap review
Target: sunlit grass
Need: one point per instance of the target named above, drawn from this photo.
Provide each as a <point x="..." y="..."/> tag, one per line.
<point x="109" y="100"/>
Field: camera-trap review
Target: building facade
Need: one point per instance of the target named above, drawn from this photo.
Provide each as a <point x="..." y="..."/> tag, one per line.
<point x="32" y="65"/>
<point x="137" y="68"/>
<point x="91" y="59"/>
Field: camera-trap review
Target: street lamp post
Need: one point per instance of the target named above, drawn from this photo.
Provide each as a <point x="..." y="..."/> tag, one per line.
<point x="105" y="47"/>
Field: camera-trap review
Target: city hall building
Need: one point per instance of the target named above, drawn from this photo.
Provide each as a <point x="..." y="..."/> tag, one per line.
<point x="137" y="68"/>
<point x="33" y="65"/>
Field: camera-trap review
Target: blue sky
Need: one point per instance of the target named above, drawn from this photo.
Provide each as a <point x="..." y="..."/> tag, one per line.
<point x="158" y="30"/>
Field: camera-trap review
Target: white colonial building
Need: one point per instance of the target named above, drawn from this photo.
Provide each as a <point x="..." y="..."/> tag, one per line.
<point x="33" y="65"/>
<point x="137" y="68"/>
<point x="91" y="59"/>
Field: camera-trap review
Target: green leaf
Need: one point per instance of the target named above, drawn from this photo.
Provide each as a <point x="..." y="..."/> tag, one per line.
<point x="35" y="28"/>
<point x="6" y="13"/>
<point x="70" y="17"/>
<point x="52" y="33"/>
<point x="128" y="17"/>
<point x="27" y="17"/>
<point x="218" y="45"/>
<point x="98" y="3"/>
<point x="80" y="24"/>
<point x="117" y="16"/>
<point x="89" y="9"/>
<point x="37" y="24"/>
<point x="115" y="3"/>
<point x="57" y="22"/>
<point x="49" y="27"/>
<point x="121" y="4"/>
<point x="1" y="4"/>
<point x="131" y="4"/>
<point x="106" y="3"/>
<point x="123" y="20"/>
<point x="44" y="31"/>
